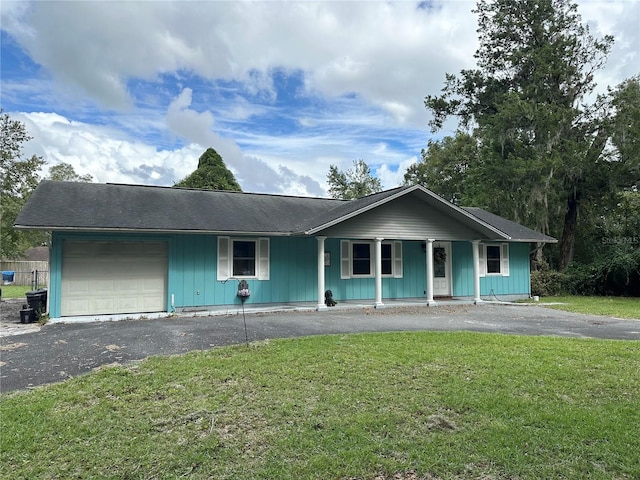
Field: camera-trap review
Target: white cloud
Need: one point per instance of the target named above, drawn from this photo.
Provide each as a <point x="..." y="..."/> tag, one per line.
<point x="252" y="172"/>
<point x="390" y="53"/>
<point x="102" y="152"/>
<point x="393" y="177"/>
<point x="369" y="65"/>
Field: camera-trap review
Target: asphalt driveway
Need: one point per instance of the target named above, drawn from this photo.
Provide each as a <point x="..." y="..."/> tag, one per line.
<point x="60" y="351"/>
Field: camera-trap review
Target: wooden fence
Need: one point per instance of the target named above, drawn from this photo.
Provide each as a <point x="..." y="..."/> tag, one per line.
<point x="25" y="272"/>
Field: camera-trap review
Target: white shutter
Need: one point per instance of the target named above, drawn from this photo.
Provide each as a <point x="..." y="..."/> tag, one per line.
<point x="263" y="259"/>
<point x="224" y="258"/>
<point x="504" y="260"/>
<point x="345" y="259"/>
<point x="482" y="252"/>
<point x="397" y="259"/>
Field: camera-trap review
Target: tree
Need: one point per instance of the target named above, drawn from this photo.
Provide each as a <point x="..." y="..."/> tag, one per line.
<point x="444" y="167"/>
<point x="19" y="177"/>
<point x="626" y="131"/>
<point x="542" y="147"/>
<point x="64" y="172"/>
<point x="211" y="174"/>
<point x="352" y="183"/>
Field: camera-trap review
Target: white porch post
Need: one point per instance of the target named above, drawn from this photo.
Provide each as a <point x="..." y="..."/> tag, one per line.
<point x="475" y="248"/>
<point x="429" y="244"/>
<point x="378" y="259"/>
<point x="321" y="305"/>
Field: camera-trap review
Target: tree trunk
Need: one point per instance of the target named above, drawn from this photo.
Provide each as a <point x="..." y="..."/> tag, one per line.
<point x="569" y="231"/>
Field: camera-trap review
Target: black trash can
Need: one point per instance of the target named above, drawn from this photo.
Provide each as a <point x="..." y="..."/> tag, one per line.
<point x="27" y="315"/>
<point x="37" y="300"/>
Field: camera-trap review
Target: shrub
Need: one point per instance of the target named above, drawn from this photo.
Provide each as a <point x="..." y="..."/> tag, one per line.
<point x="616" y="274"/>
<point x="547" y="283"/>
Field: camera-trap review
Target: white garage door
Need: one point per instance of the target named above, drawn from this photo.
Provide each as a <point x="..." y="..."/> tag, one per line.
<point x="113" y="277"/>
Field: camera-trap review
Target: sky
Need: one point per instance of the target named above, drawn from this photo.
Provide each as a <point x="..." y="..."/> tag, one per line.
<point x="135" y="91"/>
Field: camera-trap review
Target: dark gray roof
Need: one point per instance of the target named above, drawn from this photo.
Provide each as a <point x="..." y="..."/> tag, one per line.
<point x="514" y="230"/>
<point x="114" y="207"/>
<point x="93" y="206"/>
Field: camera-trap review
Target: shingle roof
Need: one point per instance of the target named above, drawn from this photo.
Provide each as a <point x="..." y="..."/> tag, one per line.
<point x="514" y="230"/>
<point x="99" y="207"/>
<point x="92" y="206"/>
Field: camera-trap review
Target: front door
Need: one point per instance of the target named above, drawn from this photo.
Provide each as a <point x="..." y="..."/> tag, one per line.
<point x="442" y="269"/>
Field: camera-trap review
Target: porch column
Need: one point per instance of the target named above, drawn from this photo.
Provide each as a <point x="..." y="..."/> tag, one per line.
<point x="378" y="259"/>
<point x="429" y="244"/>
<point x="475" y="248"/>
<point x="321" y="305"/>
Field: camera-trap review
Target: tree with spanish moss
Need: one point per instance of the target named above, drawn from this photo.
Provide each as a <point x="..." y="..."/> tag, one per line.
<point x="543" y="144"/>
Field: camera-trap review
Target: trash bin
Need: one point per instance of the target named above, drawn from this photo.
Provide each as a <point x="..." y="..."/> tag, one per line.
<point x="37" y="300"/>
<point x="7" y="276"/>
<point x="27" y="315"/>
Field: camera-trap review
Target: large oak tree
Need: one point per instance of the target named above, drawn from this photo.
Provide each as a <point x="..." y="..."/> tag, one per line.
<point x="543" y="137"/>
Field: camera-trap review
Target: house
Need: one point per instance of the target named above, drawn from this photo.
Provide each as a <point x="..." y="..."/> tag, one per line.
<point x="131" y="249"/>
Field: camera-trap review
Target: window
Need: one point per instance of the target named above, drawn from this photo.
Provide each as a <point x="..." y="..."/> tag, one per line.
<point x="494" y="259"/>
<point x="243" y="258"/>
<point x="361" y="259"/>
<point x="387" y="259"/>
<point x="357" y="259"/>
<point x="439" y="262"/>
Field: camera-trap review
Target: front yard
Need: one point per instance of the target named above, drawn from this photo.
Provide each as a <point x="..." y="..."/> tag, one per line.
<point x="618" y="307"/>
<point x="373" y="406"/>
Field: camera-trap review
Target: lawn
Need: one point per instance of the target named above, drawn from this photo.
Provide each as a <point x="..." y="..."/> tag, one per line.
<point x="373" y="406"/>
<point x="619" y="307"/>
<point x="14" y="291"/>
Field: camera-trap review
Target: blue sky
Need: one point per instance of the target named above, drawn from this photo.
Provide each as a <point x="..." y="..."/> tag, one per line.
<point x="134" y="92"/>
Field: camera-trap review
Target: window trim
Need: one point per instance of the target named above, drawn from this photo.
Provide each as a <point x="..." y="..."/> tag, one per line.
<point x="346" y="259"/>
<point x="504" y="259"/>
<point x="225" y="258"/>
<point x="255" y="257"/>
<point x="372" y="263"/>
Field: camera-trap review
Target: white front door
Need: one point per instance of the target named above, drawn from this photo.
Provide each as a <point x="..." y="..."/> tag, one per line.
<point x="442" y="269"/>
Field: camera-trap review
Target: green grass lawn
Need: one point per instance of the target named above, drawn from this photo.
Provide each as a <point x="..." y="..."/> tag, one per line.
<point x="14" y="291"/>
<point x="619" y="307"/>
<point x="373" y="406"/>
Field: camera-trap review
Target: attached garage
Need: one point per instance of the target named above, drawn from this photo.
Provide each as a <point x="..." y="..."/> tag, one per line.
<point x="100" y="277"/>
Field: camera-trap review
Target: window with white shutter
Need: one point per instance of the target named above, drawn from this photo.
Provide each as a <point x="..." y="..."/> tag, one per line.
<point x="243" y="258"/>
<point x="224" y="259"/>
<point x="357" y="259"/>
<point x="263" y="259"/>
<point x="494" y="259"/>
<point x="397" y="259"/>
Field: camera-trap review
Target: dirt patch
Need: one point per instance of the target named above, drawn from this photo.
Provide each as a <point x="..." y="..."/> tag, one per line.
<point x="10" y="318"/>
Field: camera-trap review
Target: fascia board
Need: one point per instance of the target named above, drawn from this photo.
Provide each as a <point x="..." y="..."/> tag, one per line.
<point x="151" y="230"/>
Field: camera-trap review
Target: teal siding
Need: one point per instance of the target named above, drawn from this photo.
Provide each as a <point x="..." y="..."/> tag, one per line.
<point x="411" y="285"/>
<point x="192" y="269"/>
<point x="55" y="275"/>
<point x="517" y="283"/>
<point x="462" y="269"/>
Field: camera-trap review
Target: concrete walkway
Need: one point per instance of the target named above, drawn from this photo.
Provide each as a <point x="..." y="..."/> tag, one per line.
<point x="60" y="351"/>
